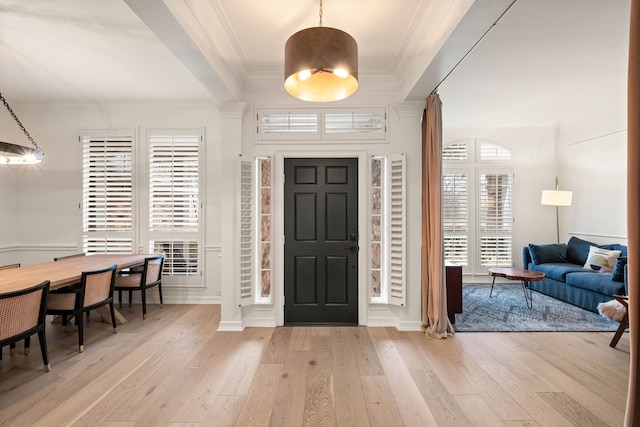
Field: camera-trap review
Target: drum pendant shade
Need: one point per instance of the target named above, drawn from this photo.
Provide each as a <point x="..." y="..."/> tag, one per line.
<point x="321" y="65"/>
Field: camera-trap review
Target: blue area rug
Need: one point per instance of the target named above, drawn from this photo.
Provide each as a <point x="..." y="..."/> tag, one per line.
<point x="506" y="311"/>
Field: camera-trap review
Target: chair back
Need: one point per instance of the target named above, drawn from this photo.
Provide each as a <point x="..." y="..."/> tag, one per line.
<point x="4" y="267"/>
<point x="97" y="285"/>
<point x="69" y="256"/>
<point x="153" y="269"/>
<point x="23" y="310"/>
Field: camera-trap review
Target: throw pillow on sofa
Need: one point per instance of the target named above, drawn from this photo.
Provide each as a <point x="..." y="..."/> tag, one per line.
<point x="601" y="260"/>
<point x="546" y="253"/>
<point x="618" y="270"/>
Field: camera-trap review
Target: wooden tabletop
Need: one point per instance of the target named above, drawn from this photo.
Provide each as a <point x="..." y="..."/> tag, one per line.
<point x="517" y="274"/>
<point x="64" y="272"/>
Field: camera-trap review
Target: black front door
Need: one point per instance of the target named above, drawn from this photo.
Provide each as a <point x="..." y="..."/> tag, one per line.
<point x="321" y="241"/>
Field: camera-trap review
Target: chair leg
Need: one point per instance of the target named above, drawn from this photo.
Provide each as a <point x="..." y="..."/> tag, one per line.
<point x="120" y="298"/>
<point x="12" y="349"/>
<point x="144" y="303"/>
<point x="27" y="345"/>
<point x="130" y="298"/>
<point x="624" y="324"/>
<point x="43" y="350"/>
<point x="80" y="325"/>
<point x="160" y="292"/>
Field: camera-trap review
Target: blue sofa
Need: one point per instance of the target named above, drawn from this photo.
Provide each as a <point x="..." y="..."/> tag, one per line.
<point x="567" y="279"/>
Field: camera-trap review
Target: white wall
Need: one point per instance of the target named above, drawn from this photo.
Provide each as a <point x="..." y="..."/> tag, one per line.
<point x="9" y="132"/>
<point x="592" y="160"/>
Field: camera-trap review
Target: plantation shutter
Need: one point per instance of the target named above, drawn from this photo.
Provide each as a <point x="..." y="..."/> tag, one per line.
<point x="396" y="214"/>
<point x="174" y="200"/>
<point x="107" y="193"/>
<point x="496" y="219"/>
<point x="455" y="216"/>
<point x="246" y="237"/>
<point x="363" y="123"/>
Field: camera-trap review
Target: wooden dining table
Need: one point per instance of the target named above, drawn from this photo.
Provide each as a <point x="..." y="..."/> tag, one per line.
<point x="67" y="272"/>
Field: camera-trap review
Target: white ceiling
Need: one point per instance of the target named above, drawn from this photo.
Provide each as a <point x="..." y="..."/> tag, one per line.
<point x="545" y="63"/>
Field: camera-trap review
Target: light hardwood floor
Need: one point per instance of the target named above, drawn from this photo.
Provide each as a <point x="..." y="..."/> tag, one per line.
<point x="174" y="369"/>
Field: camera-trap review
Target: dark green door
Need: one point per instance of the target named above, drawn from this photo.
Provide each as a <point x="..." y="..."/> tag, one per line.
<point x="321" y="241"/>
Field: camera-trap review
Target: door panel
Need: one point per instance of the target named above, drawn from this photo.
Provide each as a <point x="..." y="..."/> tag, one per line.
<point x="321" y="247"/>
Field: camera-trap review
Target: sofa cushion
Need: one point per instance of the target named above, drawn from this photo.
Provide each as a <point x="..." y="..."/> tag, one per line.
<point x="595" y="282"/>
<point x="601" y="260"/>
<point x="545" y="253"/>
<point x="556" y="271"/>
<point x="577" y="250"/>
<point x="618" y="271"/>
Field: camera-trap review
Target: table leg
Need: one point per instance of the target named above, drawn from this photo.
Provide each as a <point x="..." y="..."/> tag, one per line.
<point x="528" y="294"/>
<point x="103" y="311"/>
<point x="492" y="283"/>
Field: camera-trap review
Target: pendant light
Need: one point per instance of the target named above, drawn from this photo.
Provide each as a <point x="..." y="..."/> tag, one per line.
<point x="14" y="154"/>
<point x="321" y="64"/>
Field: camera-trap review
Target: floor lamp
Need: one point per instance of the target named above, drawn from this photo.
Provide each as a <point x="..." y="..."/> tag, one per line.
<point x="556" y="198"/>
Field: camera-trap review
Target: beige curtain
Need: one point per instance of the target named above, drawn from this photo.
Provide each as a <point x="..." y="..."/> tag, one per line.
<point x="434" y="293"/>
<point x="632" y="417"/>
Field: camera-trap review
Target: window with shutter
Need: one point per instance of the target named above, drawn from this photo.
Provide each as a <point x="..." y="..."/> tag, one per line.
<point x="363" y="123"/>
<point x="107" y="192"/>
<point x="496" y="220"/>
<point x="477" y="205"/>
<point x="396" y="211"/>
<point x="455" y="217"/>
<point x="174" y="200"/>
<point x="327" y="125"/>
<point x="246" y="243"/>
<point x="490" y="151"/>
<point x="288" y="125"/>
<point x="388" y="235"/>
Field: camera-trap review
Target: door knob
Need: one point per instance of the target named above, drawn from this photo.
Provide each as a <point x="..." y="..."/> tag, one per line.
<point x="352" y="248"/>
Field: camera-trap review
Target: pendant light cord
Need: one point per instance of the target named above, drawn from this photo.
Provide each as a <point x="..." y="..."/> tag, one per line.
<point x="6" y="104"/>
<point x="320" y="13"/>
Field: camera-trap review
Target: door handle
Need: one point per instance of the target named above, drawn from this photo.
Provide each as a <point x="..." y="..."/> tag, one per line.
<point x="352" y="248"/>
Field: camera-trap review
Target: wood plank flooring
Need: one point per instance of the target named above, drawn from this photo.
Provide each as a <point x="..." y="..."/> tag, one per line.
<point x="174" y="369"/>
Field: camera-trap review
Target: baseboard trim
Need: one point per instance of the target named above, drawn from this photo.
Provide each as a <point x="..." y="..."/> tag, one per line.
<point x="235" y="326"/>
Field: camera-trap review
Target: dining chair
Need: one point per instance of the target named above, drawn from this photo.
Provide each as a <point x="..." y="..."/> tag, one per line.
<point x="22" y="314"/>
<point x="95" y="290"/>
<point x="12" y="346"/>
<point x="69" y="256"/>
<point x="150" y="276"/>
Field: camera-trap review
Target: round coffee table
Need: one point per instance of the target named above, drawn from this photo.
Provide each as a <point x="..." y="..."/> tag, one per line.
<point x="525" y="277"/>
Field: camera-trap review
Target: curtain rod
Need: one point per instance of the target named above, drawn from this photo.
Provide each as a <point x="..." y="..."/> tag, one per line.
<point x="474" y="46"/>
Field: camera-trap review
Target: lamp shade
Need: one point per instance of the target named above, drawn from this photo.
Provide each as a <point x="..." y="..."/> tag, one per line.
<point x="556" y="198"/>
<point x="321" y="65"/>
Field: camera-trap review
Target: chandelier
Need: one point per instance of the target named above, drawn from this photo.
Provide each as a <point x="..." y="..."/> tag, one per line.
<point x="14" y="154"/>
